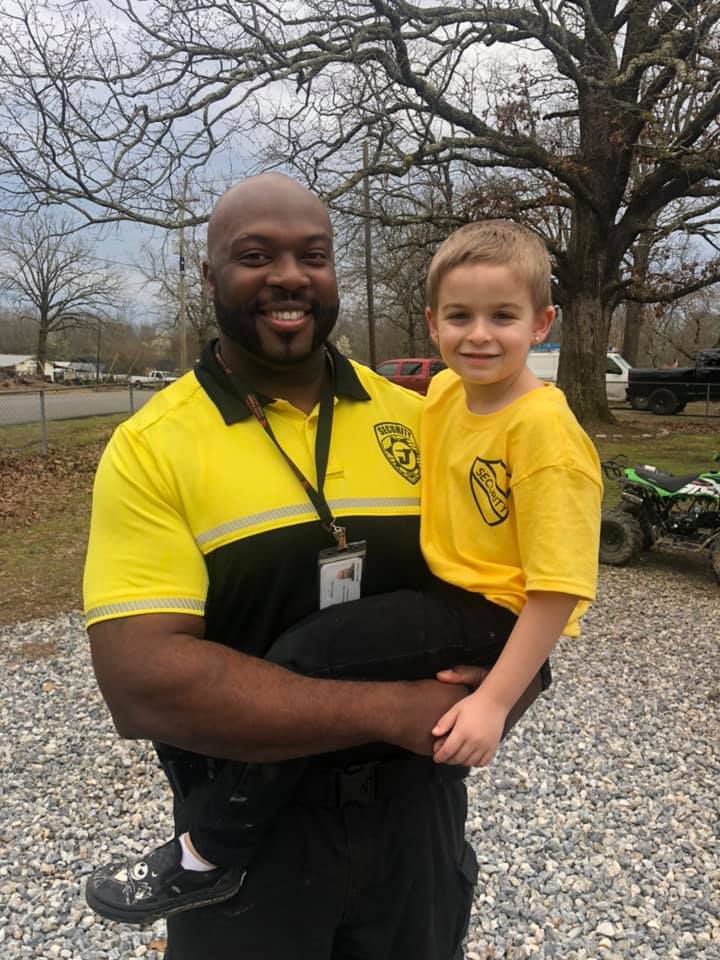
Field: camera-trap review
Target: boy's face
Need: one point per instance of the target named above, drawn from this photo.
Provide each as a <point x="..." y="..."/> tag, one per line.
<point x="485" y="323"/>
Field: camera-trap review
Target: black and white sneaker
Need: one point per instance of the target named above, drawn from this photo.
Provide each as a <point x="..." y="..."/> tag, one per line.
<point x="156" y="886"/>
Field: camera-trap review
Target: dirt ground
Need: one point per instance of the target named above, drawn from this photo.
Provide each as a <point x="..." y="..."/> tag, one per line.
<point x="44" y="515"/>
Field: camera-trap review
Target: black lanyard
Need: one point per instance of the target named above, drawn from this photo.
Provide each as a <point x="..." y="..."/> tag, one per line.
<point x="322" y="445"/>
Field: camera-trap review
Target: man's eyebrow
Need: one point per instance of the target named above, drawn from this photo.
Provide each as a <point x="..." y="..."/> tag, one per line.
<point x="463" y="306"/>
<point x="262" y="238"/>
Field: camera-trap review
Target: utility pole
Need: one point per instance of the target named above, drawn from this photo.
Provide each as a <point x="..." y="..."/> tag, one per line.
<point x="182" y="306"/>
<point x="97" y="361"/>
<point x="368" y="259"/>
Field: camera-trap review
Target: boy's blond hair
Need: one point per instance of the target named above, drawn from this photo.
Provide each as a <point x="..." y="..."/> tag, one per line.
<point x="498" y="242"/>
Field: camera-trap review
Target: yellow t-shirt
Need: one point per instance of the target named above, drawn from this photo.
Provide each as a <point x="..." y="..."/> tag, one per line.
<point x="510" y="499"/>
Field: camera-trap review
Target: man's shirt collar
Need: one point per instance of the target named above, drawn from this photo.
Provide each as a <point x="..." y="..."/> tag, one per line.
<point x="226" y="396"/>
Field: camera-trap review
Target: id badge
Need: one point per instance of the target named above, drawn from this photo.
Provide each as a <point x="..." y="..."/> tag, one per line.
<point x="341" y="573"/>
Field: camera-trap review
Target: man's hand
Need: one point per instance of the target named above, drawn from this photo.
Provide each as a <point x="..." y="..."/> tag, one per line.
<point x="469" y="733"/>
<point x="422" y="702"/>
<point x="470" y="677"/>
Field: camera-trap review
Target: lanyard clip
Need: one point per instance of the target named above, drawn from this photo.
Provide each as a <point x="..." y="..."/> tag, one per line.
<point x="340" y="535"/>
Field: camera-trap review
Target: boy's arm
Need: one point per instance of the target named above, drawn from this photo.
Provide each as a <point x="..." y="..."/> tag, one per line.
<point x="471" y="730"/>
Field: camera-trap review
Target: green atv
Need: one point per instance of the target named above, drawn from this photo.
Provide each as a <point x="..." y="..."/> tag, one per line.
<point x="658" y="510"/>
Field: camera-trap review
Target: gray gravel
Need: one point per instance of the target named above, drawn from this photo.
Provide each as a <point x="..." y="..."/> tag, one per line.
<point x="596" y="828"/>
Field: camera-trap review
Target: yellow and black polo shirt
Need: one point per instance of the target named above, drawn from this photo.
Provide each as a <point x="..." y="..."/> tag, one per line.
<point x="196" y="511"/>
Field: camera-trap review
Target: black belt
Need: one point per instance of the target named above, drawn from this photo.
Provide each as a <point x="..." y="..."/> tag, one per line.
<point x="363" y="783"/>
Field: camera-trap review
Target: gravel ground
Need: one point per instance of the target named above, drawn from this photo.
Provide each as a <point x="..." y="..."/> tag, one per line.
<point x="596" y="828"/>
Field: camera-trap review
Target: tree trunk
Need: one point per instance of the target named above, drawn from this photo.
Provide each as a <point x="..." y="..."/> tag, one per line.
<point x="411" y="336"/>
<point x="636" y="313"/>
<point x="581" y="372"/>
<point x="586" y="317"/>
<point x="634" y="319"/>
<point x="42" y="346"/>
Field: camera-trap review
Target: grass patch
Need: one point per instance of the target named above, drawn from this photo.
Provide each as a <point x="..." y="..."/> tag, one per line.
<point x="41" y="565"/>
<point x="45" y="515"/>
<point x="679" y="453"/>
<point x="25" y="438"/>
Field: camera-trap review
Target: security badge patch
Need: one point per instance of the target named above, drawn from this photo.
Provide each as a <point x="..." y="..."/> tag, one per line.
<point x="400" y="447"/>
<point x="489" y="483"/>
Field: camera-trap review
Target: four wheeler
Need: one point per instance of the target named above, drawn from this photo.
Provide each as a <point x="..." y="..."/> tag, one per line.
<point x="658" y="509"/>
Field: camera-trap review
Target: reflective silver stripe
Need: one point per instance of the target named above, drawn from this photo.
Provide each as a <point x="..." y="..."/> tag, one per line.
<point x="144" y="606"/>
<point x="349" y="503"/>
<point x="280" y="513"/>
<point x="304" y="510"/>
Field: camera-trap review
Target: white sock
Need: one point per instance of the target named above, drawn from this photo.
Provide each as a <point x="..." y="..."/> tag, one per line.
<point x="190" y="860"/>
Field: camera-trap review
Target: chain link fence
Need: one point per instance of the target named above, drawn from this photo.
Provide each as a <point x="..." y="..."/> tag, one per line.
<point x="34" y="420"/>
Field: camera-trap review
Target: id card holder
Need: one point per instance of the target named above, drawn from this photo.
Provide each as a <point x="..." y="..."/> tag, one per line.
<point x="341" y="573"/>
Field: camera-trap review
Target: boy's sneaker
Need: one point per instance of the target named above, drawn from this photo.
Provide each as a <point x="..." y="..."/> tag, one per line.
<point x="156" y="886"/>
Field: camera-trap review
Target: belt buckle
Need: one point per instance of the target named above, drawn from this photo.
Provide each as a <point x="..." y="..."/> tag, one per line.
<point x="355" y="785"/>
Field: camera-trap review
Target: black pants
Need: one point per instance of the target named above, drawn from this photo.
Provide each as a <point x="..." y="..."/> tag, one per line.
<point x="405" y="635"/>
<point x="392" y="880"/>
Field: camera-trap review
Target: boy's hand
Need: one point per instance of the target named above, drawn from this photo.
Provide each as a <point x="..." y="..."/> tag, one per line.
<point x="469" y="733"/>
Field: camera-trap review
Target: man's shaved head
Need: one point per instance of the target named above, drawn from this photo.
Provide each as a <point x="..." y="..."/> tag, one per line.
<point x="264" y="194"/>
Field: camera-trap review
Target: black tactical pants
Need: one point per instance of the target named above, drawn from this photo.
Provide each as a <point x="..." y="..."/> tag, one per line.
<point x="392" y="880"/>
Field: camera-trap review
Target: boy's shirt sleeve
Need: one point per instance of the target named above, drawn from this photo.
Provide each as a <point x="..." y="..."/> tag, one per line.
<point x="142" y="556"/>
<point x="558" y="522"/>
<point x="557" y="494"/>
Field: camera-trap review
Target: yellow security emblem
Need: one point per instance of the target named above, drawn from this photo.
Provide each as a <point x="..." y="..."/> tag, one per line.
<point x="489" y="486"/>
<point x="400" y="447"/>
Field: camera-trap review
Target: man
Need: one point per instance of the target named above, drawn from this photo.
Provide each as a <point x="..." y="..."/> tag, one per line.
<point x="212" y="506"/>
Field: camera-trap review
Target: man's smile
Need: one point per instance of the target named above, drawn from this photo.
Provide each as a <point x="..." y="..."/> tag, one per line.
<point x="286" y="320"/>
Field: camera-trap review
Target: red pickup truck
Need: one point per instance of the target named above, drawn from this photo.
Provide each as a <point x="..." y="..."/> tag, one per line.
<point x="412" y="372"/>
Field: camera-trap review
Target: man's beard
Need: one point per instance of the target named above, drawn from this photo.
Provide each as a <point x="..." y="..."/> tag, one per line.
<point x="239" y="324"/>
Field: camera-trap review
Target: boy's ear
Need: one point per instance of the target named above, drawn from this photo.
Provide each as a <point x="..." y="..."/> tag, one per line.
<point x="432" y="325"/>
<point x="543" y="322"/>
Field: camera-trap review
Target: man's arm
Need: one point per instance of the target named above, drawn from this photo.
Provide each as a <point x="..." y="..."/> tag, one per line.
<point x="163" y="681"/>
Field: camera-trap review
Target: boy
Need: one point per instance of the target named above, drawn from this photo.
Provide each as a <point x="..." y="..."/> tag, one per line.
<point x="511" y="496"/>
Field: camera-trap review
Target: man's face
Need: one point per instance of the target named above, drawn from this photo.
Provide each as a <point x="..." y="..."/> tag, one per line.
<point x="272" y="276"/>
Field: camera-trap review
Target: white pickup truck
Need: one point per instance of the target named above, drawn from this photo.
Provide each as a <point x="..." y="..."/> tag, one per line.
<point x="543" y="361"/>
<point x="154" y="379"/>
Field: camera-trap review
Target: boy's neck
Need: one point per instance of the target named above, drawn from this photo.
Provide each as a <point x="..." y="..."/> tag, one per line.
<point x="489" y="398"/>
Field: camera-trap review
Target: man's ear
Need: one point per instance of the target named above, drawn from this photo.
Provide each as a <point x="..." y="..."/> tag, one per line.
<point x="208" y="276"/>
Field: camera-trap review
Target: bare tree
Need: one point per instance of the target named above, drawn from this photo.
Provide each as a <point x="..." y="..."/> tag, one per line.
<point x="675" y="332"/>
<point x="17" y="334"/>
<point x="567" y="102"/>
<point x="408" y="222"/>
<point x="161" y="268"/>
<point x="54" y="278"/>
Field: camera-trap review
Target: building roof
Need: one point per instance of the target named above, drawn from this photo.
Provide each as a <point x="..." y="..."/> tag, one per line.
<point x="13" y="359"/>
